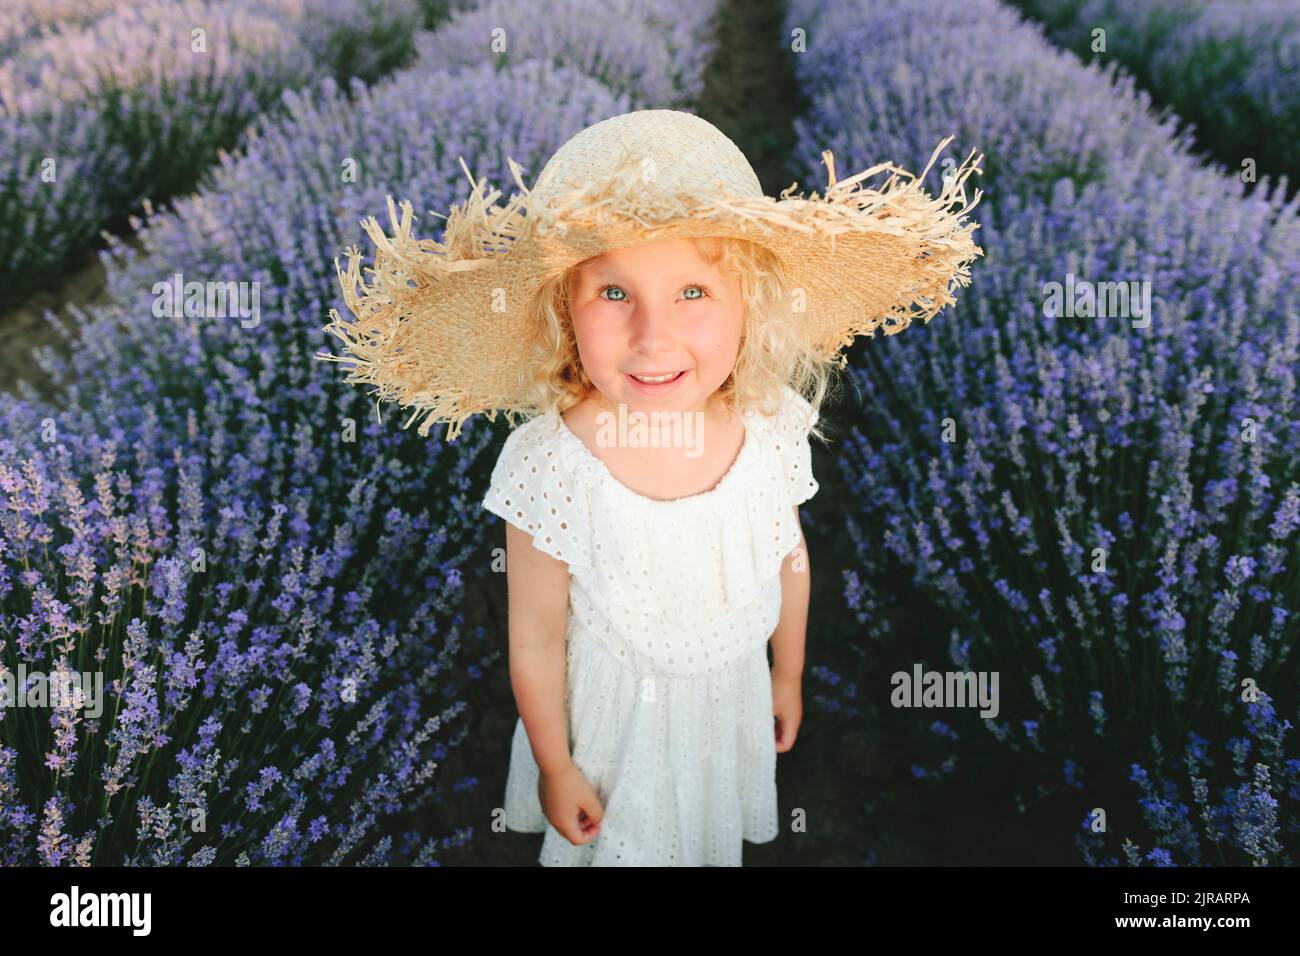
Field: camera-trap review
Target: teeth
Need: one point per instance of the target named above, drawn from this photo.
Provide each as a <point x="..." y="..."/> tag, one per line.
<point x="657" y="378"/>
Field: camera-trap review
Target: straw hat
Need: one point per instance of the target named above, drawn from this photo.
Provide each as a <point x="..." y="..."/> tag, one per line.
<point x="444" y="327"/>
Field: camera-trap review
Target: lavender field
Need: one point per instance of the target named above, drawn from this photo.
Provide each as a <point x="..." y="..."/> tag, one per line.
<point x="1229" y="69"/>
<point x="100" y="112"/>
<point x="1083" y="477"/>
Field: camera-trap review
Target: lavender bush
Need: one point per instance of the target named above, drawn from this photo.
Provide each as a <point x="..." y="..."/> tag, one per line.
<point x="23" y="19"/>
<point x="1104" y="510"/>
<point x="1231" y="67"/>
<point x="95" y="116"/>
<point x="661" y="62"/>
<point x="256" y="708"/>
<point x="307" y="696"/>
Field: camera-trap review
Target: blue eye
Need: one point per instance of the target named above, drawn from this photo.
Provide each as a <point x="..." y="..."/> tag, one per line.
<point x="704" y="293"/>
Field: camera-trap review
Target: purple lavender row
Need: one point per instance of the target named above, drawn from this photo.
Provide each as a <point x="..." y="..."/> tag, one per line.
<point x="1098" y="492"/>
<point x="1230" y="67"/>
<point x="137" y="103"/>
<point x="593" y="38"/>
<point x="312" y="675"/>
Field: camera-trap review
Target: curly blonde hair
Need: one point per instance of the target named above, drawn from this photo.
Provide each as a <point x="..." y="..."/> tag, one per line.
<point x="775" y="349"/>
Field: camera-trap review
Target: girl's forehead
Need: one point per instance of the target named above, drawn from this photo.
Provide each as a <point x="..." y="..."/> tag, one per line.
<point x="646" y="255"/>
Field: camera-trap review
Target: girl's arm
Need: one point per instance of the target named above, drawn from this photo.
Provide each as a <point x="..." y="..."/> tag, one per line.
<point x="538" y="606"/>
<point x="791" y="629"/>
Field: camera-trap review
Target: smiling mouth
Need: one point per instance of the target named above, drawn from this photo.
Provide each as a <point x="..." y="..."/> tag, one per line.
<point x="657" y="379"/>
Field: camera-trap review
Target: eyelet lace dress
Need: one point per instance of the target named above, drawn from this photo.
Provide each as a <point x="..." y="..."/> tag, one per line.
<point x="668" y="692"/>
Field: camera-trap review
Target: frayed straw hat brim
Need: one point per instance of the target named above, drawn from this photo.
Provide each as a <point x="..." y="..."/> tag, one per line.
<point x="444" y="328"/>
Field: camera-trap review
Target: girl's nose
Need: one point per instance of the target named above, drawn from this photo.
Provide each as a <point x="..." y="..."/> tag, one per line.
<point x="651" y="330"/>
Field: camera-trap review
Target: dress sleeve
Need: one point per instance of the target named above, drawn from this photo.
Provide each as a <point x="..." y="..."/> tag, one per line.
<point x="790" y="434"/>
<point x="532" y="488"/>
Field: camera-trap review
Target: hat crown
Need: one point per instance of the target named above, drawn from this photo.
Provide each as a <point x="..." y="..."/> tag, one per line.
<point x="678" y="151"/>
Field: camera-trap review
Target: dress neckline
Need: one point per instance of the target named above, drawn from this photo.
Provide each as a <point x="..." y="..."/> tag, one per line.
<point x="719" y="486"/>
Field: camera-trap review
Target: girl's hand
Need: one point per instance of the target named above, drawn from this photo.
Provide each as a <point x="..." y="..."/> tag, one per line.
<point x="787" y="708"/>
<point x="571" y="805"/>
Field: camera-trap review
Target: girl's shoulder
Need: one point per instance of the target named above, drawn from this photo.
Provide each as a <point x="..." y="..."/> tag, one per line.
<point x="535" y="456"/>
<point x="540" y="433"/>
<point x="793" y="418"/>
<point x="786" y="433"/>
<point x="535" y="488"/>
<point x="797" y="412"/>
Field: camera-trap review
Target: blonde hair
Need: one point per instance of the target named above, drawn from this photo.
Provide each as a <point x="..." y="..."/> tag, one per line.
<point x="775" y="349"/>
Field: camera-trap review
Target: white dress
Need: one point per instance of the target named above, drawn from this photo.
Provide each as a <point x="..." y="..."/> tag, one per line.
<point x="671" y="604"/>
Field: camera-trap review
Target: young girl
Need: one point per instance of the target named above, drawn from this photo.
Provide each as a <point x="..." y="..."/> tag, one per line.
<point x="660" y="322"/>
<point x="644" y="584"/>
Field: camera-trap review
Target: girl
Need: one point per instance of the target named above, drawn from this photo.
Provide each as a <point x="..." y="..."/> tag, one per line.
<point x="644" y="584"/>
<point x="659" y="321"/>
